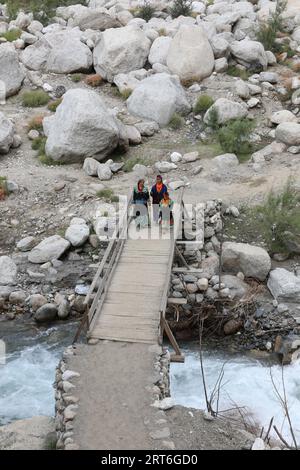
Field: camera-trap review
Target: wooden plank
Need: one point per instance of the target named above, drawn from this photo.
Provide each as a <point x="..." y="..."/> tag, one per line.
<point x="187" y="271"/>
<point x="177" y="301"/>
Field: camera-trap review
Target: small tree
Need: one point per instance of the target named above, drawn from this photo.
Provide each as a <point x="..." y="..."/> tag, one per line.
<point x="146" y="11"/>
<point x="234" y="136"/>
<point x="267" y="32"/>
<point x="181" y="8"/>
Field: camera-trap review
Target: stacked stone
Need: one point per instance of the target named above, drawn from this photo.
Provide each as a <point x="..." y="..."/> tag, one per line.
<point x="66" y="403"/>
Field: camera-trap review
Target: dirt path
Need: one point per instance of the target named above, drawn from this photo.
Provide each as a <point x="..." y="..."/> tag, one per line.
<point x="115" y="396"/>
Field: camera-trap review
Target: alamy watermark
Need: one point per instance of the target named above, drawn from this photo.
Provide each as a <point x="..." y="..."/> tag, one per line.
<point x="2" y="92"/>
<point x="136" y="221"/>
<point x="2" y="352"/>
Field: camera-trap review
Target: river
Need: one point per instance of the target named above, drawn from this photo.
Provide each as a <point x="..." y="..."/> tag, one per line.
<point x="247" y="383"/>
<point x="26" y="380"/>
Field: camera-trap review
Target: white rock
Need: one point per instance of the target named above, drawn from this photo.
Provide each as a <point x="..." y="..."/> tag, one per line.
<point x="247" y="52"/>
<point x="226" y="110"/>
<point x="253" y="261"/>
<point x="26" y="244"/>
<point x="221" y="65"/>
<point x="120" y="50"/>
<point x="190" y="157"/>
<point x="134" y="135"/>
<point x="11" y="72"/>
<point x="288" y="133"/>
<point x="81" y="127"/>
<point x="190" y="54"/>
<point x="284" y="285"/>
<point x="227" y="160"/>
<point x="58" y="52"/>
<point x="159" y="50"/>
<point x="157" y="98"/>
<point x="50" y="248"/>
<point x="90" y="166"/>
<point x="164" y="404"/>
<point x="164" y="167"/>
<point x="242" y="89"/>
<point x="7" y="131"/>
<point x="8" y="271"/>
<point x="283" y="116"/>
<point x="77" y="235"/>
<point x="258" y="444"/>
<point x="175" y="157"/>
<point x="104" y="172"/>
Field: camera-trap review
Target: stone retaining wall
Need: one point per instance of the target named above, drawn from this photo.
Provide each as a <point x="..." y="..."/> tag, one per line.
<point x="67" y="402"/>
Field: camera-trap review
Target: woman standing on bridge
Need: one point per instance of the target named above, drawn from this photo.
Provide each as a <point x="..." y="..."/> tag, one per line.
<point x="157" y="194"/>
<point x="141" y="200"/>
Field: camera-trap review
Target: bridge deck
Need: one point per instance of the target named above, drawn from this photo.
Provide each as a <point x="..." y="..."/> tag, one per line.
<point x="131" y="308"/>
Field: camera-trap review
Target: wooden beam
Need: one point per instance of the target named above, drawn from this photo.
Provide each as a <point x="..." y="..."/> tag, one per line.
<point x="177" y="301"/>
<point x="181" y="257"/>
<point x="191" y="270"/>
<point x="169" y="333"/>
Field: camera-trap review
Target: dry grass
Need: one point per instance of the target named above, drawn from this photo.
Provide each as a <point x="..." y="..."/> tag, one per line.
<point x="94" y="80"/>
<point x="36" y="123"/>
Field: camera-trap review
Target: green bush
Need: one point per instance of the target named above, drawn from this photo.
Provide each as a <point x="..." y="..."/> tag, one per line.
<point x="108" y="195"/>
<point x="278" y="219"/>
<point x="3" y="187"/>
<point x="234" y="71"/>
<point x="76" y="77"/>
<point x="53" y="105"/>
<point x="176" y="121"/>
<point x="36" y="123"/>
<point x="203" y="103"/>
<point x="126" y="93"/>
<point x="267" y="32"/>
<point x="43" y="10"/>
<point x="39" y="145"/>
<point x="234" y="136"/>
<point x="131" y="162"/>
<point x="12" y="35"/>
<point x="45" y="160"/>
<point x="181" y="8"/>
<point x="34" y="99"/>
<point x="213" y="119"/>
<point x="146" y="11"/>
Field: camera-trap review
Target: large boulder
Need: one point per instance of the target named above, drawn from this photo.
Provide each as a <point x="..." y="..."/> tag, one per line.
<point x="77" y="233"/>
<point x="96" y="18"/>
<point x="190" y="54"/>
<point x="120" y="50"/>
<point x="7" y="131"/>
<point x="58" y="52"/>
<point x="50" y="248"/>
<point x="249" y="53"/>
<point x="284" y="285"/>
<point x="159" y="50"/>
<point x="11" y="72"/>
<point x="282" y="116"/>
<point x="288" y="133"/>
<point x="8" y="271"/>
<point x="226" y="110"/>
<point x="46" y="313"/>
<point x="157" y="98"/>
<point x="82" y="127"/>
<point x="253" y="261"/>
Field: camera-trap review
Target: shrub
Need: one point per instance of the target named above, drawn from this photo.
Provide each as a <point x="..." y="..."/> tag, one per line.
<point x="279" y="216"/>
<point x="213" y="119"/>
<point x="34" y="99"/>
<point x="94" y="80"/>
<point x="76" y="77"/>
<point x="126" y="93"/>
<point x="108" y="195"/>
<point x="39" y="145"/>
<point x="43" y="10"/>
<point x="45" y="160"/>
<point x="131" y="162"/>
<point x="234" y="136"/>
<point x="162" y="32"/>
<point x="3" y="187"/>
<point x="176" y="121"/>
<point x="146" y="11"/>
<point x="267" y="32"/>
<point x="203" y="103"/>
<point x="12" y="35"/>
<point x="234" y="71"/>
<point x="52" y="106"/>
<point x="181" y="7"/>
<point x="36" y="123"/>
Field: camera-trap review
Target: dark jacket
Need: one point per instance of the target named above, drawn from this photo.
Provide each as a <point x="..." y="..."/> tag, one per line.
<point x="158" y="196"/>
<point x="140" y="197"/>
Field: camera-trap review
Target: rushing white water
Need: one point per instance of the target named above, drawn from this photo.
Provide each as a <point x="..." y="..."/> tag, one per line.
<point x="26" y="384"/>
<point x="26" y="379"/>
<point x="247" y="382"/>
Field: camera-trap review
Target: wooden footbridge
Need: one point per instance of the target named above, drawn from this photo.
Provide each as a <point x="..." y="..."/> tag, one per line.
<point x="128" y="297"/>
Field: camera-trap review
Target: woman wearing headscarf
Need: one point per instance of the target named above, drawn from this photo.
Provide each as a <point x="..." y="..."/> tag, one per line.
<point x="140" y="200"/>
<point x="157" y="194"/>
<point x="166" y="214"/>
